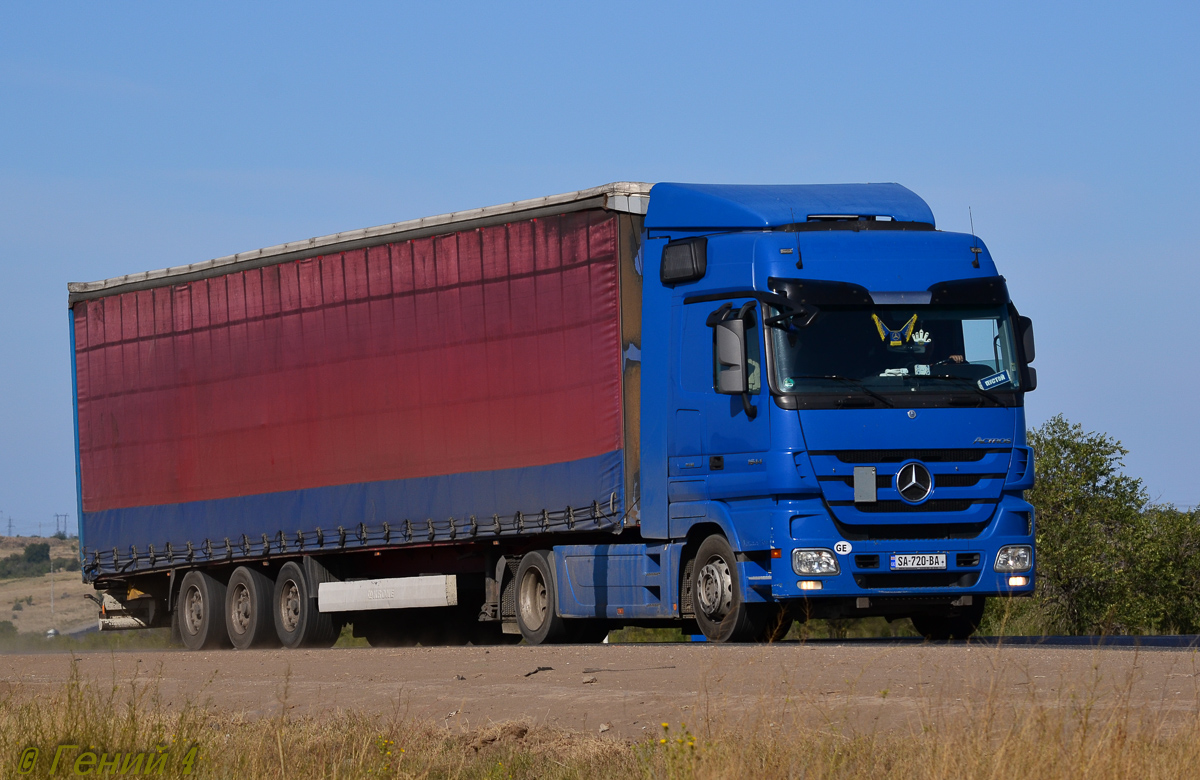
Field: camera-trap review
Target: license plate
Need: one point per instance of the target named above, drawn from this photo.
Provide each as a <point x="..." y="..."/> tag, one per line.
<point x="919" y="561"/>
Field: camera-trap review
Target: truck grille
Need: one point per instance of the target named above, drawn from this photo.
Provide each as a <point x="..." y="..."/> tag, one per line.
<point x="943" y="480"/>
<point x="964" y="455"/>
<point x="882" y="532"/>
<point x="918" y="579"/>
<point x="967" y="485"/>
<point x="936" y="505"/>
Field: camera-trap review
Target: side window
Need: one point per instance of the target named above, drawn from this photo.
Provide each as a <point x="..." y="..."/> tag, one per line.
<point x="981" y="342"/>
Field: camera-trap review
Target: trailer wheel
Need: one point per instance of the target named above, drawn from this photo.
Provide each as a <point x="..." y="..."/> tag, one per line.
<point x="721" y="612"/>
<point x="248" y="599"/>
<point x="960" y="623"/>
<point x="297" y="621"/>
<point x="198" y="609"/>
<point x="536" y="614"/>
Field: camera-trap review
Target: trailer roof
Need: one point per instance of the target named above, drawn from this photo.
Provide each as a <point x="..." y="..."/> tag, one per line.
<point x="726" y="206"/>
<point x="623" y="196"/>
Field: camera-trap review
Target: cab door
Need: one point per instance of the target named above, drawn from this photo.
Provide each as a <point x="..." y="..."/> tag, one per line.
<point x="719" y="442"/>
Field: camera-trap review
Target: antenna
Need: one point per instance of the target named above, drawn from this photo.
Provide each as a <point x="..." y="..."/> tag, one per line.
<point x="799" y="258"/>
<point x="975" y="248"/>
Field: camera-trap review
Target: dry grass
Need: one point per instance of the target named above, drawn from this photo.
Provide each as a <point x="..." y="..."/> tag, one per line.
<point x="1079" y="733"/>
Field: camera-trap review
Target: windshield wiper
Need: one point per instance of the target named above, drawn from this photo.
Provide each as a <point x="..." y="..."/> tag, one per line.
<point x="793" y="318"/>
<point x="990" y="396"/>
<point x="855" y="382"/>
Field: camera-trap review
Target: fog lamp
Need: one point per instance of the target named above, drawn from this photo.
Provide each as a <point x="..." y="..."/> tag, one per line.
<point x="1014" y="557"/>
<point x="1018" y="582"/>
<point x="814" y="562"/>
<point x="809" y="584"/>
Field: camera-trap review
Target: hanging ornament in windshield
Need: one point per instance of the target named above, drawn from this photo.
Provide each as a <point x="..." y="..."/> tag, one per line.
<point x="895" y="338"/>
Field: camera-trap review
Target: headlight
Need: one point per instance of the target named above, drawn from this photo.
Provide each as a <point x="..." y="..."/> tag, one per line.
<point x="1015" y="557"/>
<point x="814" y="562"/>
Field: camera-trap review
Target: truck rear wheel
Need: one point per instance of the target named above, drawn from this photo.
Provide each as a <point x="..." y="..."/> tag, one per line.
<point x="959" y="623"/>
<point x="537" y="616"/>
<point x="297" y="621"/>
<point x="721" y="611"/>
<point x="199" y="609"/>
<point x="248" y="598"/>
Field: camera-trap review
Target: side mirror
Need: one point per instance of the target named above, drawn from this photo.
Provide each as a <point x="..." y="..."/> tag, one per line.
<point x="1025" y="329"/>
<point x="1029" y="379"/>
<point x="729" y="352"/>
<point x="733" y="375"/>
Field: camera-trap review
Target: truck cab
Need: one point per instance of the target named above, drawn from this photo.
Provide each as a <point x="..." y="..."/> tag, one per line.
<point x="836" y="388"/>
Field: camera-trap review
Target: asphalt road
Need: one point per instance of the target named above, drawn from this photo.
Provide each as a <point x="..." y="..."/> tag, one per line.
<point x="629" y="690"/>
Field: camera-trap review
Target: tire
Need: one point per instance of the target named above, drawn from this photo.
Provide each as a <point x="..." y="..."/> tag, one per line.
<point x="248" y="619"/>
<point x="957" y="623"/>
<point x="778" y="623"/>
<point x="200" y="608"/>
<point x="294" y="606"/>
<point x="721" y="612"/>
<point x="537" y="614"/>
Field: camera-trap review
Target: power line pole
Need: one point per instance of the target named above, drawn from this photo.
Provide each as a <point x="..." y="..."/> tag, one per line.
<point x="10" y="533"/>
<point x="62" y="517"/>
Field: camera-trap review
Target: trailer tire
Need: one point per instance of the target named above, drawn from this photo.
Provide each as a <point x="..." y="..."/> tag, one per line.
<point x="721" y="611"/>
<point x="298" y="623"/>
<point x="537" y="614"/>
<point x="248" y="619"/>
<point x="199" y="611"/>
<point x="960" y="623"/>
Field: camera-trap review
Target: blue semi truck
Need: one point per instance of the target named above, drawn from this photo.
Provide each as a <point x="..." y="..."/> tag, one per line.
<point x="717" y="407"/>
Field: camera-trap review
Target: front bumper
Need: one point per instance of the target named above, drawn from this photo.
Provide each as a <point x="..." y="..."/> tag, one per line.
<point x="865" y="570"/>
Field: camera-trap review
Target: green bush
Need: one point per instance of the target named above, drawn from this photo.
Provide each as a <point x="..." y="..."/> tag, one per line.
<point x="34" y="562"/>
<point x="66" y="564"/>
<point x="38" y="552"/>
<point x="1108" y="561"/>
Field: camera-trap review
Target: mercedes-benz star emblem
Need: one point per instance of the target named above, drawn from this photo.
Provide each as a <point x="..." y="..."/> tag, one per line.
<point x="914" y="482"/>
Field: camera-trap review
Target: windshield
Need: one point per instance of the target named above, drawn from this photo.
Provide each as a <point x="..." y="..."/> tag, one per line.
<point x="897" y="349"/>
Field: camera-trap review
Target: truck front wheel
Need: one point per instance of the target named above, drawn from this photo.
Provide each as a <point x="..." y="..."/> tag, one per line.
<point x="198" y="610"/>
<point x="959" y="623"/>
<point x="248" y="619"/>
<point x="537" y="616"/>
<point x="298" y="623"/>
<point x="721" y="612"/>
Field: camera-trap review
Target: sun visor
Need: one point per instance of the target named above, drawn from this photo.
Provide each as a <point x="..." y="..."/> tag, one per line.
<point x="725" y="206"/>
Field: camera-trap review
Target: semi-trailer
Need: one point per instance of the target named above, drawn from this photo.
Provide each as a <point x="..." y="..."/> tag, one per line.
<point x="713" y="407"/>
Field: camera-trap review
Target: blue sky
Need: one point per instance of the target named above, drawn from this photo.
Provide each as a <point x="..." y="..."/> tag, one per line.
<point x="141" y="136"/>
